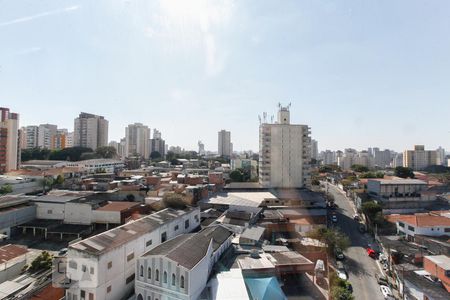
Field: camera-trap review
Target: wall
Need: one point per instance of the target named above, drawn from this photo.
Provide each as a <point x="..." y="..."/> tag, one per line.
<point x="78" y="213"/>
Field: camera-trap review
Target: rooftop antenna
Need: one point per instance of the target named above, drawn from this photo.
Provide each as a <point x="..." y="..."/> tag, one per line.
<point x="289" y="106"/>
<point x="259" y="118"/>
<point x="265" y="117"/>
<point x="271" y="119"/>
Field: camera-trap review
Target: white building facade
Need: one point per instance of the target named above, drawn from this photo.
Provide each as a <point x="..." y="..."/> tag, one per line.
<point x="102" y="267"/>
<point x="225" y="147"/>
<point x="90" y="131"/>
<point x="284" y="153"/>
<point x="137" y="138"/>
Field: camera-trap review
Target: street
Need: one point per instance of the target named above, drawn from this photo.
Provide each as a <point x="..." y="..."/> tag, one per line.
<point x="360" y="267"/>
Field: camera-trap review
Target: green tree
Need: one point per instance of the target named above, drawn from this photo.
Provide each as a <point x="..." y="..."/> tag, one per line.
<point x="371" y="208"/>
<point x="237" y="176"/>
<point x="59" y="180"/>
<point x="359" y="168"/>
<point x="5" y="189"/>
<point x="404" y="172"/>
<point x="106" y="152"/>
<point x="332" y="237"/>
<point x="42" y="262"/>
<point x="155" y="155"/>
<point x="71" y="154"/>
<point x="339" y="288"/>
<point x="174" y="201"/>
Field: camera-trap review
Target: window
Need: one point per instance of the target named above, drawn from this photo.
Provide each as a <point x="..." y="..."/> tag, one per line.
<point x="165" y="277"/>
<point x="173" y="279"/>
<point x="141" y="273"/>
<point x="82" y="294"/>
<point x="108" y="289"/>
<point x="176" y="227"/>
<point x="182" y="282"/>
<point x="186" y="224"/>
<point x="130" y="256"/>
<point x="91" y="270"/>
<point x="83" y="268"/>
<point x="129" y="279"/>
<point x="50" y="211"/>
<point x="401" y="224"/>
<point x="157" y="275"/>
<point x="196" y="218"/>
<point x="72" y="264"/>
<point x="149" y="273"/>
<point x="110" y="265"/>
<point x="163" y="237"/>
<point x="148" y="243"/>
<point x="91" y="296"/>
<point x="411" y="228"/>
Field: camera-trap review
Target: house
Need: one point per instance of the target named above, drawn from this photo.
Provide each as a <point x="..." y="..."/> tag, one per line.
<point x="439" y="266"/>
<point x="103" y="266"/>
<point x="252" y="236"/>
<point x="428" y="224"/>
<point x="12" y="260"/>
<point x="180" y="268"/>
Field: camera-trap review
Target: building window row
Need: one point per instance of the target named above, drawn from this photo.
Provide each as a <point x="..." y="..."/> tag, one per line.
<point x="165" y="276"/>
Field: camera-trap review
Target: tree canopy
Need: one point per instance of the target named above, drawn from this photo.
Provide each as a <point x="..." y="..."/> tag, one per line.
<point x="371" y="209"/>
<point x="106" y="152"/>
<point x="359" y="168"/>
<point x="5" y="189"/>
<point x="404" y="172"/>
<point x="332" y="237"/>
<point x="371" y="175"/>
<point x="237" y="176"/>
<point x="155" y="155"/>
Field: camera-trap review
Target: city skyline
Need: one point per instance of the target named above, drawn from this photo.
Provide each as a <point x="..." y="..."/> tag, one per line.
<point x="213" y="65"/>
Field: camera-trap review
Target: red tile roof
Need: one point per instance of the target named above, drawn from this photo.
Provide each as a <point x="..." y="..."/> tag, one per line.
<point x="9" y="252"/>
<point x="118" y="206"/>
<point x="420" y="220"/>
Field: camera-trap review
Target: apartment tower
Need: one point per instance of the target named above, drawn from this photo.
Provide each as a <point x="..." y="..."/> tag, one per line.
<point x="90" y="131"/>
<point x="225" y="147"/>
<point x="137" y="138"/>
<point x="9" y="141"/>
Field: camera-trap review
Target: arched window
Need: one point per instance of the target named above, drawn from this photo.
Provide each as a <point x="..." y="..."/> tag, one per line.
<point x="149" y="273"/>
<point x="141" y="272"/>
<point x="173" y="279"/>
<point x="182" y="281"/>
<point x="157" y="275"/>
<point x="165" y="277"/>
<point x="139" y="297"/>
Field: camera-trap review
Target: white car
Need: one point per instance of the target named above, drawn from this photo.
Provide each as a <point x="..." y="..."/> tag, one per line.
<point x="342" y="275"/>
<point x="386" y="291"/>
<point x="334" y="218"/>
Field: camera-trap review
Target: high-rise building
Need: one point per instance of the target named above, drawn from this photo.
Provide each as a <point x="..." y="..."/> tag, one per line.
<point x="45" y="134"/>
<point x="31" y="134"/>
<point x="314" y="149"/>
<point x="382" y="159"/>
<point x="419" y="158"/>
<point x="137" y="136"/>
<point x="59" y="140"/>
<point x="201" y="148"/>
<point x="69" y="139"/>
<point x="440" y="159"/>
<point x="284" y="153"/>
<point x="225" y="147"/>
<point x="90" y="131"/>
<point x="9" y="141"/>
<point x="157" y="144"/>
<point x="398" y="160"/>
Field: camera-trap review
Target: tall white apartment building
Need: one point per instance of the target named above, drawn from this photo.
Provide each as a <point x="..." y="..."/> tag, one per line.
<point x="102" y="267"/>
<point x="419" y="158"/>
<point x="382" y="159"/>
<point x="90" y="131"/>
<point x="284" y="153"/>
<point x="69" y="139"/>
<point x="137" y="138"/>
<point x="31" y="136"/>
<point x="45" y="135"/>
<point x="225" y="147"/>
<point x="440" y="156"/>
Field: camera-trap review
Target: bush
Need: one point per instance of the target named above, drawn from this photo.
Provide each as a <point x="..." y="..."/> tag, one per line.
<point x="42" y="262"/>
<point x="5" y="189"/>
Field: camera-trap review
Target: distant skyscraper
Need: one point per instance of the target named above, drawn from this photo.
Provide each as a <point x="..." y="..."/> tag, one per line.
<point x="382" y="159"/>
<point x="137" y="136"/>
<point x="419" y="158"/>
<point x="201" y="148"/>
<point x="69" y="140"/>
<point x="225" y="147"/>
<point x="59" y="140"/>
<point x="90" y="131"/>
<point x="440" y="160"/>
<point x="284" y="153"/>
<point x="157" y="143"/>
<point x="314" y="149"/>
<point x="45" y="135"/>
<point x="9" y="141"/>
<point x="31" y="136"/>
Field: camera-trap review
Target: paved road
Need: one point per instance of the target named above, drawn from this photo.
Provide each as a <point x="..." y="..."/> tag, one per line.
<point x="360" y="267"/>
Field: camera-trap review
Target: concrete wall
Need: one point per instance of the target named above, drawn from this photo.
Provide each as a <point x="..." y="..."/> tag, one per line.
<point x="11" y="270"/>
<point x="78" y="213"/>
<point x="17" y="216"/>
<point x="106" y="217"/>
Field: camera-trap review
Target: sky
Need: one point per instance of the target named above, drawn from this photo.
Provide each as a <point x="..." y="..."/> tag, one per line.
<point x="359" y="73"/>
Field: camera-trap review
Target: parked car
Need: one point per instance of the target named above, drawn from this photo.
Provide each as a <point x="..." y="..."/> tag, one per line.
<point x="386" y="291"/>
<point x="341" y="272"/>
<point x="356" y="217"/>
<point x="371" y="253"/>
<point x="339" y="254"/>
<point x="62" y="252"/>
<point x="334" y="218"/>
<point x="381" y="279"/>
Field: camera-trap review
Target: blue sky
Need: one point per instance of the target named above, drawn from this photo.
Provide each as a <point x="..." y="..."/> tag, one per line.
<point x="360" y="73"/>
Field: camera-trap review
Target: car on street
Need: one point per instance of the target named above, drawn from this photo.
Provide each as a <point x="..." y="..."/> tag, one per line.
<point x="62" y="252"/>
<point x="386" y="291"/>
<point x="371" y="253"/>
<point x="334" y="218"/>
<point x="356" y="217"/>
<point x="381" y="279"/>
<point x="340" y="270"/>
<point x="338" y="253"/>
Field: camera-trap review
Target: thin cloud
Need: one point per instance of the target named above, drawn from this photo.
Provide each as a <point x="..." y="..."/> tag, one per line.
<point x="30" y="50"/>
<point x="40" y="15"/>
